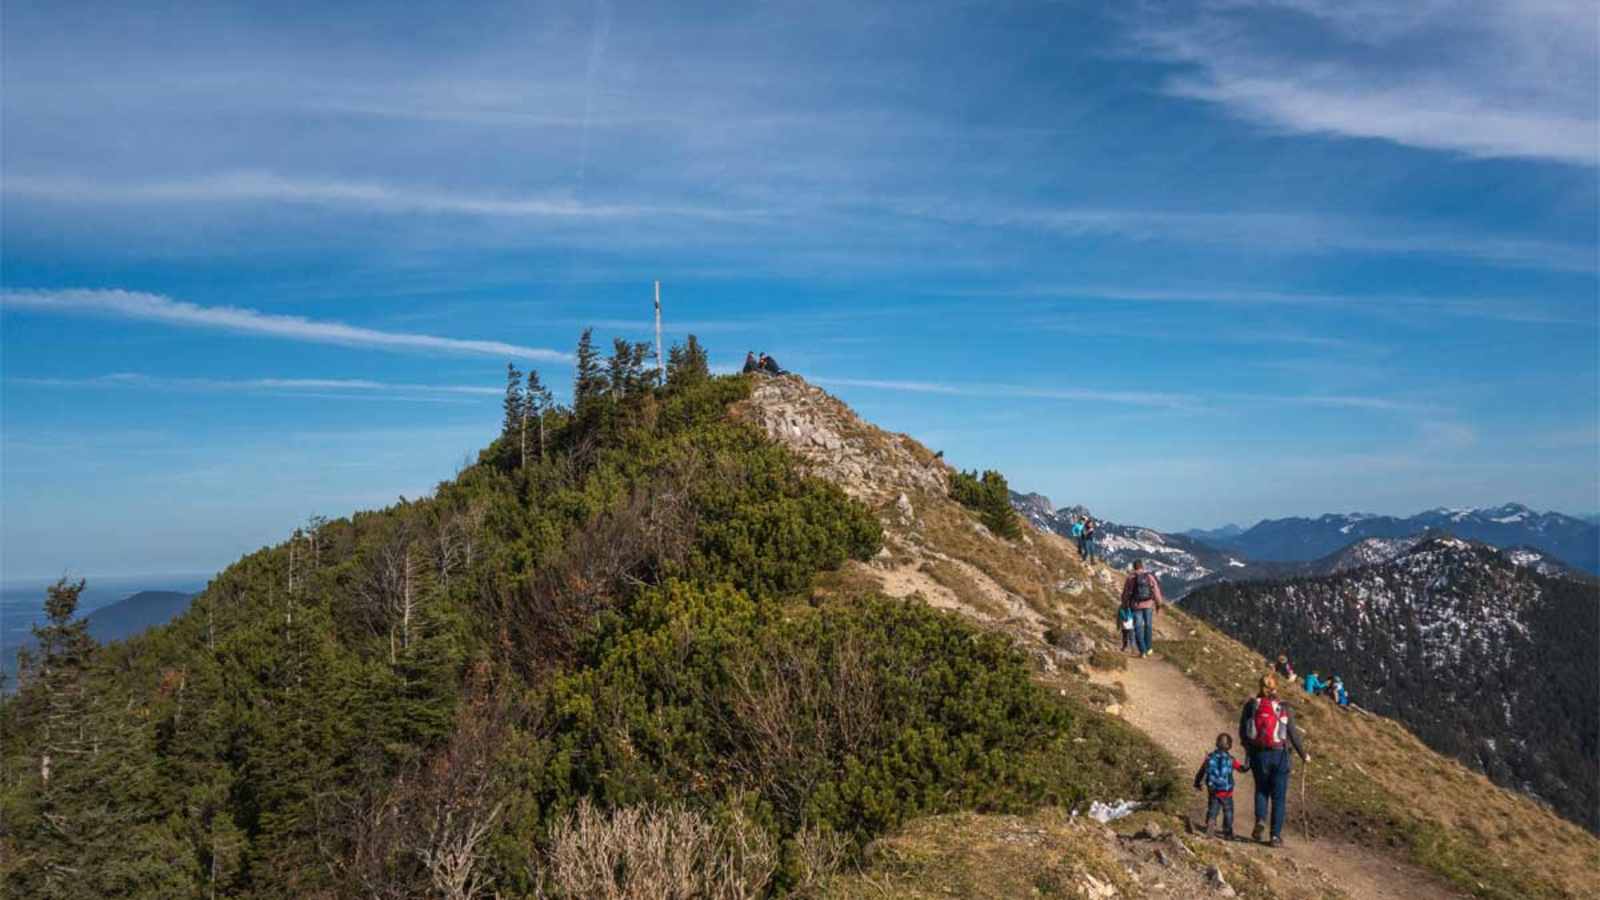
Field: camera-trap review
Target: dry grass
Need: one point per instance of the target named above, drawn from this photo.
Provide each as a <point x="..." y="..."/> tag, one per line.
<point x="988" y="858"/>
<point x="1052" y="854"/>
<point x="646" y="853"/>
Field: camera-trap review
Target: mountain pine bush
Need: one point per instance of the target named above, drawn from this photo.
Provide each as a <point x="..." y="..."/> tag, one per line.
<point x="991" y="497"/>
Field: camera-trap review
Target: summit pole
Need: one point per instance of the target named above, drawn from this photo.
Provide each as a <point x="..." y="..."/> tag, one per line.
<point x="661" y="372"/>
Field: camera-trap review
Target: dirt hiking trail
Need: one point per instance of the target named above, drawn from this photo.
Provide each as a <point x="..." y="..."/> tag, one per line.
<point x="1180" y="716"/>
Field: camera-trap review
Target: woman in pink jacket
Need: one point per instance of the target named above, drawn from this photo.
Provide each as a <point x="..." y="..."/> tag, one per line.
<point x="1142" y="594"/>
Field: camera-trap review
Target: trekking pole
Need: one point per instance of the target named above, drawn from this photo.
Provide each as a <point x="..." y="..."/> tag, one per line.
<point x="1305" y="814"/>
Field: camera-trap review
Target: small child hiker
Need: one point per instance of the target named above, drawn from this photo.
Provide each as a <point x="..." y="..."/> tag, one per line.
<point x="1216" y="773"/>
<point x="1125" y="618"/>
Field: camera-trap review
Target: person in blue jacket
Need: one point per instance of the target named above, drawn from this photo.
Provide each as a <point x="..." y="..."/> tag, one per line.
<point x="1340" y="695"/>
<point x="1077" y="534"/>
<point x="1314" y="684"/>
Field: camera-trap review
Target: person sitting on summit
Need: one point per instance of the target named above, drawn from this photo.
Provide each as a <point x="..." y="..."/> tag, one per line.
<point x="750" y="363"/>
<point x="770" y="365"/>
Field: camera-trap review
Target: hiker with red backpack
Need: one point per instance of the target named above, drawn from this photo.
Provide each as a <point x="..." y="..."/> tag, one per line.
<point x="1267" y="731"/>
<point x="1142" y="594"/>
<point x="1216" y="773"/>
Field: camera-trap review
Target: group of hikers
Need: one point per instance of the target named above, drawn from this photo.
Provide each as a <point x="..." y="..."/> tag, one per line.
<point x="1084" y="530"/>
<point x="762" y="363"/>
<point x="1267" y="730"/>
<point x="1332" y="688"/>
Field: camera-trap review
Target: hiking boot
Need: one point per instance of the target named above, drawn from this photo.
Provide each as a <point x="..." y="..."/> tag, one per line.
<point x="1259" y="834"/>
<point x="1277" y="842"/>
<point x="1206" y="830"/>
<point x="1227" y="834"/>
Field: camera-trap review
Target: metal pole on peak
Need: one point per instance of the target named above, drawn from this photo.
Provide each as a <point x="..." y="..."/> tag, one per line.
<point x="661" y="372"/>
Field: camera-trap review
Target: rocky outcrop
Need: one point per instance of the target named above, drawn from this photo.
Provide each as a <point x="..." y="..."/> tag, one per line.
<point x="870" y="464"/>
<point x="934" y="548"/>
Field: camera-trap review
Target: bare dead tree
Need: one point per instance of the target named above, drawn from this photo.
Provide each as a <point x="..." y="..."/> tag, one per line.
<point x="628" y="547"/>
<point x="427" y="835"/>
<point x="390" y="587"/>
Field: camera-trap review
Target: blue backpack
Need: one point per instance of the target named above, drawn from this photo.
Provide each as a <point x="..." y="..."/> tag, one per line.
<point x="1219" y="771"/>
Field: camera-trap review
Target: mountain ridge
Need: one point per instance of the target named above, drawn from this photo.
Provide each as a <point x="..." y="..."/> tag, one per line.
<point x="1299" y="538"/>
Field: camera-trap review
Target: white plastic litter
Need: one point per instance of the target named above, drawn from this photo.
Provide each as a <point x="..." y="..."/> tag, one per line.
<point x="1104" y="812"/>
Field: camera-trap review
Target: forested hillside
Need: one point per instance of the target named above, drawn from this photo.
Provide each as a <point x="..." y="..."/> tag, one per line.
<point x="598" y="641"/>
<point x="1485" y="659"/>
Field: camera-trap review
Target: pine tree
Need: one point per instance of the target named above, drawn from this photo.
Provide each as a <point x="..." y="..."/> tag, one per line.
<point x="687" y="363"/>
<point x="59" y="710"/>
<point x="695" y="360"/>
<point x="589" y="385"/>
<point x="63" y="657"/>
<point x="621" y="368"/>
<point x="513" y="401"/>
<point x="536" y="401"/>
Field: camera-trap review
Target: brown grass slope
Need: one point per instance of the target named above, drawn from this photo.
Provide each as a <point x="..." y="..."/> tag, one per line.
<point x="1373" y="785"/>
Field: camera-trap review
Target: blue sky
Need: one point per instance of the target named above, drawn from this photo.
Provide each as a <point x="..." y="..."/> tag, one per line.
<point x="1184" y="263"/>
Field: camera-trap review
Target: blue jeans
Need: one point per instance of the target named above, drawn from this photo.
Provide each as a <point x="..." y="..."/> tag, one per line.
<point x="1087" y="550"/>
<point x="1223" y="805"/>
<point x="1141" y="629"/>
<point x="1271" y="770"/>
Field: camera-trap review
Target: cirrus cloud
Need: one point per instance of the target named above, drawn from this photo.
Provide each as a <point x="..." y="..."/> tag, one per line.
<point x="158" y="308"/>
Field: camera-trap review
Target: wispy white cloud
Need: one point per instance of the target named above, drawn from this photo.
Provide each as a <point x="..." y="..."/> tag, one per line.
<point x="1172" y="401"/>
<point x="1288" y="232"/>
<point x="356" y="386"/>
<point x="1506" y="309"/>
<point x="1482" y="78"/>
<point x="1127" y="398"/>
<point x="1357" y="401"/>
<point x="371" y="195"/>
<point x="158" y="308"/>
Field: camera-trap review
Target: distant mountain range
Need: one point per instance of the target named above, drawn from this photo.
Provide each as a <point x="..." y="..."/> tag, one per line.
<point x="1481" y="653"/>
<point x="1215" y="536"/>
<point x="1568" y="538"/>
<point x="1276" y="548"/>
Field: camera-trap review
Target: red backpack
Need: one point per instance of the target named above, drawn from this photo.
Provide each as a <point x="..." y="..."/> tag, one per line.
<point x="1268" y="727"/>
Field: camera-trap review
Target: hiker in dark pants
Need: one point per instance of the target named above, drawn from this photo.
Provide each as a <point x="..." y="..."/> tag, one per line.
<point x="1267" y="730"/>
<point x="1216" y="774"/>
<point x="1090" y="530"/>
<point x="750" y="363"/>
<point x="1142" y="594"/>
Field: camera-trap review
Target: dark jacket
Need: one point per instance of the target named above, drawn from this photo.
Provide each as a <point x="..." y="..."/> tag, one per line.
<point x="1249" y="712"/>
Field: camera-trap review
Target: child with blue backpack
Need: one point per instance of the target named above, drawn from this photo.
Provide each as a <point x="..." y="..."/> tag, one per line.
<point x="1216" y="773"/>
<point x="1125" y="620"/>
